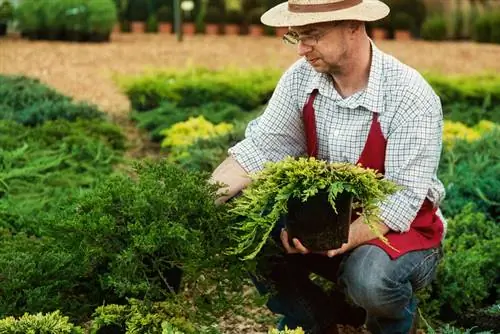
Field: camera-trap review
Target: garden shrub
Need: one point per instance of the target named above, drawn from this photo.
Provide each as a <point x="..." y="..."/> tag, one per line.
<point x="140" y="231"/>
<point x="195" y="87"/>
<point x="468" y="99"/>
<point x="434" y="29"/>
<point x="486" y="27"/>
<point x="206" y="154"/>
<point x="29" y="102"/>
<point x="46" y="166"/>
<point x="168" y="114"/>
<point x="50" y="323"/>
<point x="67" y="19"/>
<point x="19" y="92"/>
<point x="142" y="317"/>
<point x="482" y="29"/>
<point x="38" y="275"/>
<point x="49" y="110"/>
<point x="454" y="131"/>
<point x="468" y="277"/>
<point x="183" y="134"/>
<point x="469" y="170"/>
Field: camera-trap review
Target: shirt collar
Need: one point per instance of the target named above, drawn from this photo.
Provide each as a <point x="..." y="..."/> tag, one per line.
<point x="370" y="98"/>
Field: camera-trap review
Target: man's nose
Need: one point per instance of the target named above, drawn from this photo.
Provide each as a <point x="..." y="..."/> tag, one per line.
<point x="303" y="49"/>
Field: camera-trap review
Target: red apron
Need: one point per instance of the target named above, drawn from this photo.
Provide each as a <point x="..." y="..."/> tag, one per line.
<point x="426" y="230"/>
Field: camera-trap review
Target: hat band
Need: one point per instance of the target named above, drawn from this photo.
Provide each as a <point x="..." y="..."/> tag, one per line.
<point x="324" y="7"/>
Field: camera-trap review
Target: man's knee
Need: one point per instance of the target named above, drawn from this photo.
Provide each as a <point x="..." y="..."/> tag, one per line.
<point x="368" y="283"/>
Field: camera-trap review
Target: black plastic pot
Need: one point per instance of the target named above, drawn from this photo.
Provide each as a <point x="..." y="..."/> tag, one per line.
<point x="316" y="224"/>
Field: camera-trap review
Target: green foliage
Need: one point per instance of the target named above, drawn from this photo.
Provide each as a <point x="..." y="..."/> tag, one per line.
<point x="152" y="23"/>
<point x="468" y="99"/>
<point x="195" y="87"/>
<point x="142" y="317"/>
<point x="434" y="29"/>
<point x="486" y="28"/>
<point x="206" y="154"/>
<point x="469" y="171"/>
<point x="49" y="110"/>
<point x="287" y="331"/>
<point x="29" y="102"/>
<point x="468" y="277"/>
<point x="482" y="29"/>
<point x="142" y="230"/>
<point x="20" y="92"/>
<point x="138" y="10"/>
<point x="402" y="21"/>
<point x="56" y="19"/>
<point x="51" y="323"/>
<point x="38" y="275"/>
<point x="165" y="14"/>
<point x="102" y="16"/>
<point x="301" y="178"/>
<point x="168" y="114"/>
<point x="6" y="11"/>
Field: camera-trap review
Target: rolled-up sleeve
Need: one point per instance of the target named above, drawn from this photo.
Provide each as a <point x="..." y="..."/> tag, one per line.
<point x="412" y="158"/>
<point x="277" y="133"/>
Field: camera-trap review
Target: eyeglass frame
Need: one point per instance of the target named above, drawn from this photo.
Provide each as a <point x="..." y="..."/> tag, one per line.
<point x="293" y="38"/>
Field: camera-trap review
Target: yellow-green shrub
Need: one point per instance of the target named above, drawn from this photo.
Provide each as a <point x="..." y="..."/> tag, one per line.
<point x="53" y="323"/>
<point x="455" y="131"/>
<point x="184" y="134"/>
<point x="287" y="331"/>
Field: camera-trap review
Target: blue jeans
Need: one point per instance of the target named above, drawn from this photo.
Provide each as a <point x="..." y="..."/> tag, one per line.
<point x="367" y="278"/>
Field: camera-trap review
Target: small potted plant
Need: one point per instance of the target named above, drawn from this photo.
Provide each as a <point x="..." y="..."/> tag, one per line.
<point x="138" y="15"/>
<point x="165" y="19"/>
<point x="233" y="20"/>
<point x="213" y="18"/>
<point x="256" y="28"/>
<point x="402" y="24"/>
<point x="6" y="14"/>
<point x="379" y="30"/>
<point x="317" y="199"/>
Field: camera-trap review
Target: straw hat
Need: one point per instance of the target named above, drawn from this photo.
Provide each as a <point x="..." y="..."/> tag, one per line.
<point x="303" y="12"/>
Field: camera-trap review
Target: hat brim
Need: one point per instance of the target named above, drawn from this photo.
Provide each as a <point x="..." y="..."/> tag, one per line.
<point x="368" y="10"/>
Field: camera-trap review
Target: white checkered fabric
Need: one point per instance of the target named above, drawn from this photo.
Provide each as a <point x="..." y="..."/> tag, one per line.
<point x="410" y="116"/>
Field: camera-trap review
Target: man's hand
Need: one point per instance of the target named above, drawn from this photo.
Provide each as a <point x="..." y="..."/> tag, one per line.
<point x="359" y="233"/>
<point x="233" y="176"/>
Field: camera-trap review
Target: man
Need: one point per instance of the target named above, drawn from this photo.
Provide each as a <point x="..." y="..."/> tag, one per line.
<point x="346" y="101"/>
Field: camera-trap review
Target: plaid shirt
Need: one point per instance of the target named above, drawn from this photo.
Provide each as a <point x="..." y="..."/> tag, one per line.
<point x="410" y="116"/>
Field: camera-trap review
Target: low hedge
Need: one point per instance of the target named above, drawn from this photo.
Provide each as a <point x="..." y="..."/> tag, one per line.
<point x="193" y="88"/>
<point x="29" y="102"/>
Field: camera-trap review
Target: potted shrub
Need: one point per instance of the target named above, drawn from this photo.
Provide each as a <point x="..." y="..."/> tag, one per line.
<point x="165" y="18"/>
<point x="188" y="22"/>
<point x="233" y="20"/>
<point x="379" y="30"/>
<point x="101" y="20"/>
<point x="402" y="24"/>
<point x="255" y="28"/>
<point x="213" y="19"/>
<point x="138" y="14"/>
<point x="6" y="14"/>
<point x="317" y="198"/>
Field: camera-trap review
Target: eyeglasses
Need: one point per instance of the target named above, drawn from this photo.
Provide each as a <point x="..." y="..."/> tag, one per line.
<point x="293" y="38"/>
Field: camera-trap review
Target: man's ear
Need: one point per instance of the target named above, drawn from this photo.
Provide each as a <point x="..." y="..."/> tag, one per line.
<point x="354" y="26"/>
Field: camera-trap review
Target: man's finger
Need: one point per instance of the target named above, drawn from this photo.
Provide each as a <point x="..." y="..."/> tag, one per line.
<point x="284" y="241"/>
<point x="335" y="252"/>
<point x="298" y="245"/>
